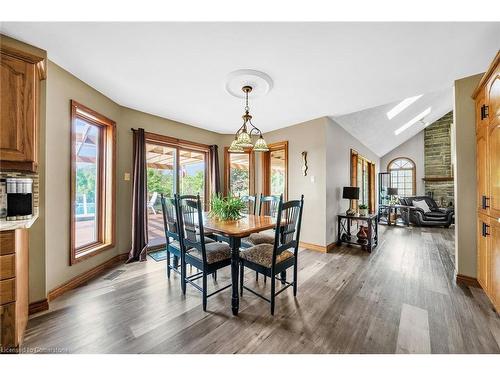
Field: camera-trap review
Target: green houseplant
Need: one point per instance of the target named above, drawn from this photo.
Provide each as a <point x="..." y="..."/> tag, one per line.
<point x="363" y="210"/>
<point x="226" y="208"/>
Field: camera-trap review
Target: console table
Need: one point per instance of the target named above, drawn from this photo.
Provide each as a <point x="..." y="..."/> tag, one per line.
<point x="344" y="223"/>
<point x="385" y="210"/>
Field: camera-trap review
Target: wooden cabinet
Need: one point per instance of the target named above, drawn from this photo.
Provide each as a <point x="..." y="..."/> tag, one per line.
<point x="20" y="75"/>
<point x="13" y="287"/>
<point x="483" y="251"/>
<point x="482" y="168"/>
<point x="487" y="99"/>
<point x="494" y="142"/>
<point x="494" y="262"/>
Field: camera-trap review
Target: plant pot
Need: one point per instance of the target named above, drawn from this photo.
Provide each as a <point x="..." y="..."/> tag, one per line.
<point x="363" y="212"/>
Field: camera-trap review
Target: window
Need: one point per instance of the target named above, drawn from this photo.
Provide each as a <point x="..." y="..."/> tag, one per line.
<point x="173" y="166"/>
<point x="238" y="173"/>
<point x="363" y="176"/>
<point x="275" y="170"/>
<point x="92" y="183"/>
<point x="402" y="172"/>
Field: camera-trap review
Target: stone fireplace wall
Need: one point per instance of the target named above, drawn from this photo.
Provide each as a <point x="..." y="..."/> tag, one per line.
<point x="438" y="161"/>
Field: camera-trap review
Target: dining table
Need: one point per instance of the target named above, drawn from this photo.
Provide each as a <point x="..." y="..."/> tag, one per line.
<point x="234" y="231"/>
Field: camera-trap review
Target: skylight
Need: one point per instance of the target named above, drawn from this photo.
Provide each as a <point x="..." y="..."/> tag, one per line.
<point x="402" y="106"/>
<point x="414" y="120"/>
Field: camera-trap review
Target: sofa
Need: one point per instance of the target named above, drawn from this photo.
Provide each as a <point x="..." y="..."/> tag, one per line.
<point x="443" y="217"/>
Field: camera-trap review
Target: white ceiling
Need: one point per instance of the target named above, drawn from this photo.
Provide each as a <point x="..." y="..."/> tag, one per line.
<point x="178" y="70"/>
<point x="373" y="128"/>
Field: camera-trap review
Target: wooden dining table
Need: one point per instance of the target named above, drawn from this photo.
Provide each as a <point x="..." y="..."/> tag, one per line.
<point x="234" y="231"/>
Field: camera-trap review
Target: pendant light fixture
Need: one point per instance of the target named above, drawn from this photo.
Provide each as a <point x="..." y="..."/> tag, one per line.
<point x="243" y="137"/>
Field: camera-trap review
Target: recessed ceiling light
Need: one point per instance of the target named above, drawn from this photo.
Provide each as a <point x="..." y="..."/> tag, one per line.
<point x="401" y="106"/>
<point x="413" y="121"/>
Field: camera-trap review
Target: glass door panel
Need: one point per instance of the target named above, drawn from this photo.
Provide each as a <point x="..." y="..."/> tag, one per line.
<point x="239" y="174"/>
<point x="161" y="165"/>
<point x="278" y="172"/>
<point x="192" y="169"/>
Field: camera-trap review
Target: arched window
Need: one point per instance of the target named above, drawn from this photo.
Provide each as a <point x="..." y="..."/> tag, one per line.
<point x="402" y="172"/>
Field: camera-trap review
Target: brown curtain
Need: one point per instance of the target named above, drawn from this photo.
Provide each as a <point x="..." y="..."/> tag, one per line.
<point x="139" y="200"/>
<point x="214" y="169"/>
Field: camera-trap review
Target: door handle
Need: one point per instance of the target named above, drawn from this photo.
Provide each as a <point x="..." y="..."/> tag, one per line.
<point x="484" y="200"/>
<point x="485" y="230"/>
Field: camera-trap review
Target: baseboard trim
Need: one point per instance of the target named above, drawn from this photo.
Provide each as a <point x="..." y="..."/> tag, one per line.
<point x="319" y="248"/>
<point x="38" y="306"/>
<point x="467" y="280"/>
<point x="86" y="276"/>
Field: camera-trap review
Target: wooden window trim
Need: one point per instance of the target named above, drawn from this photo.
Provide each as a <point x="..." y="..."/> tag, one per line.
<point x="251" y="167"/>
<point x="266" y="167"/>
<point x="371" y="179"/>
<point x="183" y="145"/>
<point x="106" y="184"/>
<point x="414" y="169"/>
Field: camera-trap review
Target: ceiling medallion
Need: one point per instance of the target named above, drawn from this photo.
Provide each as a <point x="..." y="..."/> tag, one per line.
<point x="243" y="136"/>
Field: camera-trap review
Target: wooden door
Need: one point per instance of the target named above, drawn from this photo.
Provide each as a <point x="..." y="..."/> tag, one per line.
<point x="482" y="171"/>
<point x="483" y="247"/>
<point x="494" y="289"/>
<point x="494" y="143"/>
<point x="18" y="118"/>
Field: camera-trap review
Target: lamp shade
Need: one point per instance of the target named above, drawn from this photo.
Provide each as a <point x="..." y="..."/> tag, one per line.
<point x="350" y="192"/>
<point x="392" y="191"/>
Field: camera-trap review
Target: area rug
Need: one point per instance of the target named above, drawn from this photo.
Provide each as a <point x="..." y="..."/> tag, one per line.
<point x="158" y="255"/>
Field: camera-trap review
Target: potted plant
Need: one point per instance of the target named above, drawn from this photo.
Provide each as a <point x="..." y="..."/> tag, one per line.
<point x="363" y="210"/>
<point x="226" y="208"/>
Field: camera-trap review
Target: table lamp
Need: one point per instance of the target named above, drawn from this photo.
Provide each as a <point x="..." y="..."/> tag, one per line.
<point x="351" y="193"/>
<point x="391" y="192"/>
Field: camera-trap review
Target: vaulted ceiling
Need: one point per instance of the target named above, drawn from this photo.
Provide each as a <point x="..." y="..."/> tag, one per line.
<point x="178" y="70"/>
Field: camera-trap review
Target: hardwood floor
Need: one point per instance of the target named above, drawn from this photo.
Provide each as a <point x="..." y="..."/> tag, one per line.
<point x="402" y="298"/>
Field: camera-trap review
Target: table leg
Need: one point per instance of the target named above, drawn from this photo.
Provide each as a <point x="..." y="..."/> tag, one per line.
<point x="235" y="243"/>
<point x="369" y="222"/>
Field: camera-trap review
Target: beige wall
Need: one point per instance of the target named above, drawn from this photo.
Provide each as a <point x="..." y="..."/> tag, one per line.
<point x="61" y="88"/>
<point x="413" y="149"/>
<point x="338" y="163"/>
<point x="307" y="136"/>
<point x="465" y="175"/>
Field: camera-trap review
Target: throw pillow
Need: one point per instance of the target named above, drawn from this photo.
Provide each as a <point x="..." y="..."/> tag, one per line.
<point x="423" y="205"/>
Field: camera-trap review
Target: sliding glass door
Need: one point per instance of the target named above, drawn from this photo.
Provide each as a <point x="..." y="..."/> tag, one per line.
<point x="171" y="168"/>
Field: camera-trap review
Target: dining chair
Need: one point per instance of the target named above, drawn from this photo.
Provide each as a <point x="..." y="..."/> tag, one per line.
<point x="171" y="228"/>
<point x="208" y="257"/>
<point x="250" y="204"/>
<point x="268" y="206"/>
<point x="272" y="260"/>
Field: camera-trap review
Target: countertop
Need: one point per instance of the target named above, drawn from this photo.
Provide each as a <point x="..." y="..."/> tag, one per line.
<point x="17" y="224"/>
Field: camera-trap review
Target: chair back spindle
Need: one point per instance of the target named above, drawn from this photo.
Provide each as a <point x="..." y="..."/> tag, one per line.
<point x="269" y="204"/>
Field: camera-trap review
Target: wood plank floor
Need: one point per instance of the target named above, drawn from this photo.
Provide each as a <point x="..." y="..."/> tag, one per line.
<point x="402" y="298"/>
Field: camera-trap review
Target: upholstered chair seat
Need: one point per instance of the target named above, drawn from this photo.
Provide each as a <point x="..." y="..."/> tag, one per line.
<point x="261" y="238"/>
<point x="216" y="252"/>
<point x="263" y="254"/>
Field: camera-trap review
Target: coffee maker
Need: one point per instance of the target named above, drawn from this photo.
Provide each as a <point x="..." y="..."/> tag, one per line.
<point x="19" y="193"/>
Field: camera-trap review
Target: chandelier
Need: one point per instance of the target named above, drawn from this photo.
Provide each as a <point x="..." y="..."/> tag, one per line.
<point x="243" y="137"/>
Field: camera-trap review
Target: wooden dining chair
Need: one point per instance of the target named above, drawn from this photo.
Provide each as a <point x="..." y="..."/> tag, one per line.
<point x="250" y="204"/>
<point x="171" y="228"/>
<point x="208" y="257"/>
<point x="272" y="260"/>
<point x="268" y="206"/>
